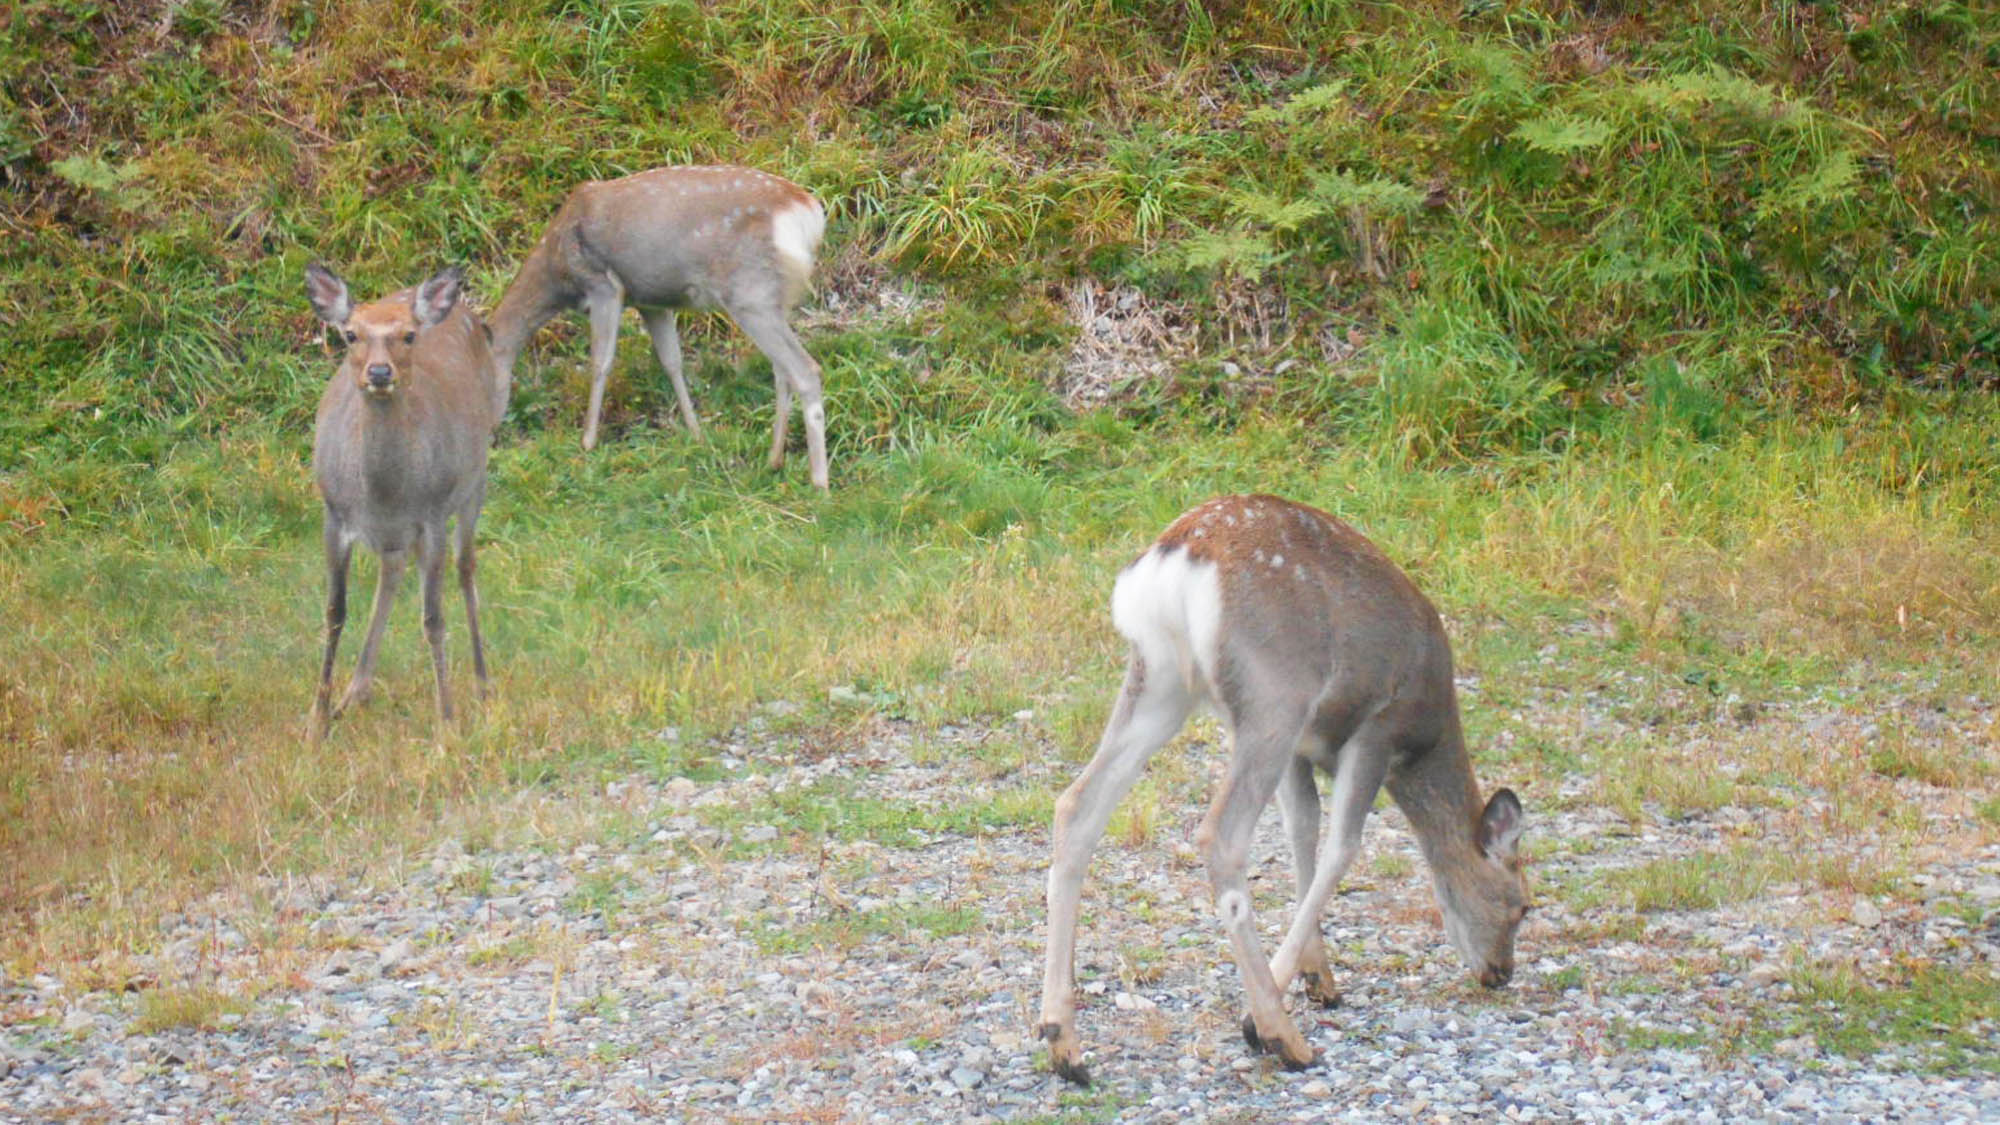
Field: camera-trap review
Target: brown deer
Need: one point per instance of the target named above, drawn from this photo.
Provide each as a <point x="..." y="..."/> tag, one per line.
<point x="399" y="449"/>
<point x="698" y="237"/>
<point x="1319" y="654"/>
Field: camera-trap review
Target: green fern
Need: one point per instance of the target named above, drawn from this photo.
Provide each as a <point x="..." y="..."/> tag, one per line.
<point x="1832" y="181"/>
<point x="1281" y="215"/>
<point x="1239" y="253"/>
<point x="1561" y="133"/>
<point x="1312" y="102"/>
<point x="1379" y="197"/>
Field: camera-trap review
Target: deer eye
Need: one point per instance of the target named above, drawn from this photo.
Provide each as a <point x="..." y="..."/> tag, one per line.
<point x="409" y="337"/>
<point x="349" y="333"/>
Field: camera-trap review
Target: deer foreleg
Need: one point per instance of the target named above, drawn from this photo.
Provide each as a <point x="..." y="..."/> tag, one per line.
<point x="339" y="552"/>
<point x="606" y="303"/>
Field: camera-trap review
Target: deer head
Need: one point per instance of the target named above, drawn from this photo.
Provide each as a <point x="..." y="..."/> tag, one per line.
<point x="381" y="335"/>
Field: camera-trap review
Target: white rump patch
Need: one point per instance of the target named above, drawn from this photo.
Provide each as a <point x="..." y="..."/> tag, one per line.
<point x="1170" y="607"/>
<point x="796" y="231"/>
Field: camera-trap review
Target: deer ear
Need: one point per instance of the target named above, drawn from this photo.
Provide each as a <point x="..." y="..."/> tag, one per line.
<point x="436" y="297"/>
<point x="1500" y="825"/>
<point x="328" y="295"/>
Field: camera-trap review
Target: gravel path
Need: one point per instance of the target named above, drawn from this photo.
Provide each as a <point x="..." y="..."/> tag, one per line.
<point x="662" y="953"/>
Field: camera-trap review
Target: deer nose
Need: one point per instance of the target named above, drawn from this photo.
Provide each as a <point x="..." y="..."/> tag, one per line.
<point x="379" y="375"/>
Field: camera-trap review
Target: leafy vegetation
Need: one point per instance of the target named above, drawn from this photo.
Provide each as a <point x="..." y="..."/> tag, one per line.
<point x="1685" y="326"/>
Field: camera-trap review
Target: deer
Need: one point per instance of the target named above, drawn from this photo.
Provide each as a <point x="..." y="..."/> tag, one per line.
<point x="1319" y="655"/>
<point x="672" y="238"/>
<point x="399" y="450"/>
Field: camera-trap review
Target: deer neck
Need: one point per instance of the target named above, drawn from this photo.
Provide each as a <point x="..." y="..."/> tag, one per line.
<point x="1440" y="797"/>
<point x="534" y="298"/>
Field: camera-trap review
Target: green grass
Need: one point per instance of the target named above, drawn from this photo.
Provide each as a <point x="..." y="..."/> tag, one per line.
<point x="837" y="811"/>
<point x="1939" y="1019"/>
<point x="1702" y="881"/>
<point x="169" y="1008"/>
<point x="847" y="930"/>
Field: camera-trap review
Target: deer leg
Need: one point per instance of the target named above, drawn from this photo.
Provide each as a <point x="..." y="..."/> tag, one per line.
<point x="667" y="345"/>
<point x="605" y="300"/>
<point x="1149" y="710"/>
<point x="766" y="327"/>
<point x="339" y="552"/>
<point x="468" y="523"/>
<point x="1360" y="767"/>
<point x="431" y="556"/>
<point x="1265" y="739"/>
<point x="781" y="418"/>
<point x="385" y="593"/>
<point x="1298" y="800"/>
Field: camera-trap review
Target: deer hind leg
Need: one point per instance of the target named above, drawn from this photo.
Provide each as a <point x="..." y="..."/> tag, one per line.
<point x="1298" y="800"/>
<point x="667" y="345"/>
<point x="1151" y="707"/>
<point x="605" y="300"/>
<point x="781" y="417"/>
<point x="386" y="581"/>
<point x="1359" y="768"/>
<point x="795" y="370"/>
<point x="339" y="553"/>
<point x="1265" y="738"/>
<point x="468" y="523"/>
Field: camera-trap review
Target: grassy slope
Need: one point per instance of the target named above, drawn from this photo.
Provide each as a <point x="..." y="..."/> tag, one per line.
<point x="1678" y="325"/>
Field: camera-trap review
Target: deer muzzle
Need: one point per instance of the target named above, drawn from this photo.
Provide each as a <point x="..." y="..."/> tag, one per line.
<point x="381" y="379"/>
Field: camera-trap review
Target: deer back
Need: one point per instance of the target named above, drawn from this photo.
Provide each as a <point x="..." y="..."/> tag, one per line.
<point x="699" y="236"/>
<point x="1303" y="606"/>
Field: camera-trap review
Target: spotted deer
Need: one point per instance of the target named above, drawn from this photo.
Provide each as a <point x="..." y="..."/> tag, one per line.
<point x="1319" y="655"/>
<point x="672" y="238"/>
<point x="399" y="450"/>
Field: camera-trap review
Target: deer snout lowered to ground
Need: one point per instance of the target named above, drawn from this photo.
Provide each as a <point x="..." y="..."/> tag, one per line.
<point x="1319" y="656"/>
<point x="734" y="239"/>
<point x="399" y="449"/>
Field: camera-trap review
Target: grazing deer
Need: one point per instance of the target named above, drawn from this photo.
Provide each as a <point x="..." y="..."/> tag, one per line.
<point x="399" y="449"/>
<point x="1319" y="654"/>
<point x="701" y="237"/>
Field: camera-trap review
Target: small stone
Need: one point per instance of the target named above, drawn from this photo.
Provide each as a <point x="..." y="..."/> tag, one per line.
<point x="1133" y="1002"/>
<point x="1764" y="974"/>
<point x="1865" y="914"/>
<point x="1317" y="1088"/>
<point x="395" y="953"/>
<point x="965" y="1078"/>
<point x="679" y="792"/>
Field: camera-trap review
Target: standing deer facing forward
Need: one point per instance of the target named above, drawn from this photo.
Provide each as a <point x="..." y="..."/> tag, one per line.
<point x="705" y="237"/>
<point x="1319" y="654"/>
<point x="400" y="448"/>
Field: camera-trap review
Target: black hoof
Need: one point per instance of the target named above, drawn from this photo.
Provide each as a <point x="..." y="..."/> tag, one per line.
<point x="1250" y="1035"/>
